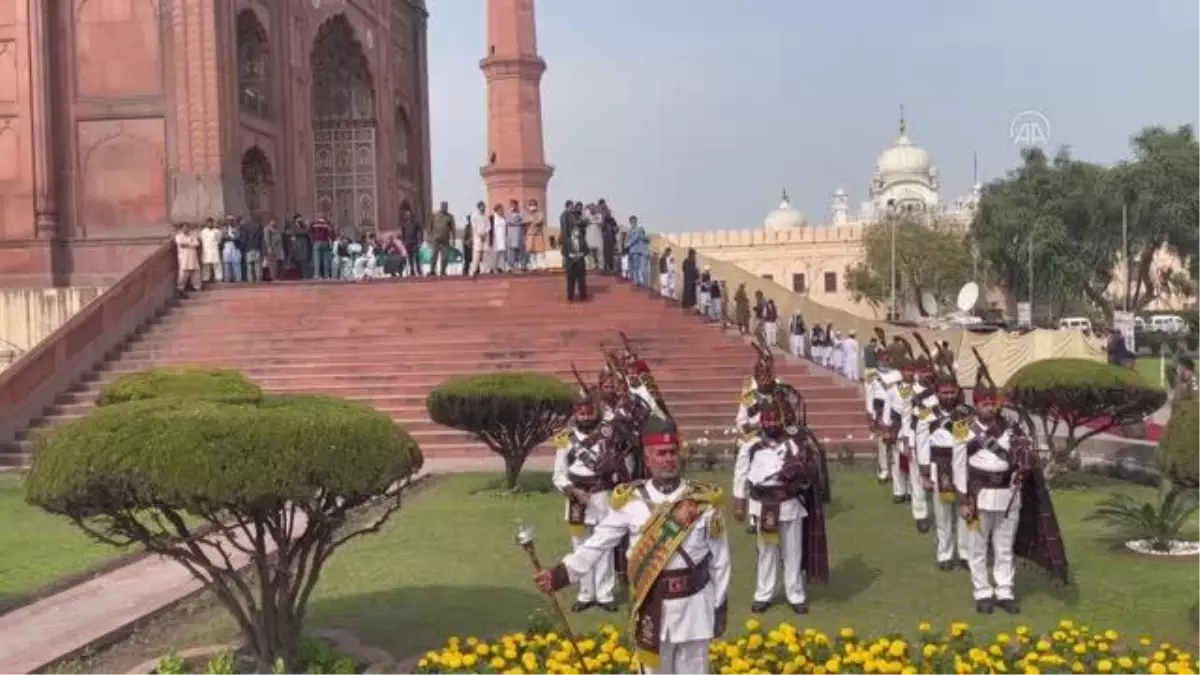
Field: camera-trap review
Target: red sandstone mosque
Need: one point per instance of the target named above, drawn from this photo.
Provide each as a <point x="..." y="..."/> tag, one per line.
<point x="120" y="117"/>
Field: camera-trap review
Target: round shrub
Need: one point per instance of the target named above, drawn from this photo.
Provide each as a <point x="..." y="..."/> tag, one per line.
<point x="212" y="384"/>
<point x="479" y="400"/>
<point x="1085" y="388"/>
<point x="1179" y="450"/>
<point x="196" y="455"/>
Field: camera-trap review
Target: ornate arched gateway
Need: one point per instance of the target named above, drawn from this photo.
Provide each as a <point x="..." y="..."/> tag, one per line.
<point x="344" y="127"/>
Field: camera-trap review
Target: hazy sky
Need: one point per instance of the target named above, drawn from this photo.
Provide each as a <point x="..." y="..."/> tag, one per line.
<point x="694" y="114"/>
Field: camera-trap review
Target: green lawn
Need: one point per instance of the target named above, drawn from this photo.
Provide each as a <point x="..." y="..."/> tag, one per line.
<point x="37" y="548"/>
<point x="448" y="565"/>
<point x="1149" y="368"/>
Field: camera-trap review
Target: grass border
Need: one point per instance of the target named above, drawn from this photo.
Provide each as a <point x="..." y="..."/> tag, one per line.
<point x="419" y="485"/>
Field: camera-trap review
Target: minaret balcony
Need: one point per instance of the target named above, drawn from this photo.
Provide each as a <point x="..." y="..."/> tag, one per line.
<point x="503" y="67"/>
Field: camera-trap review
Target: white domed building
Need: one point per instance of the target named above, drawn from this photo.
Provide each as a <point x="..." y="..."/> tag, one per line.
<point x="785" y="217"/>
<point x="905" y="180"/>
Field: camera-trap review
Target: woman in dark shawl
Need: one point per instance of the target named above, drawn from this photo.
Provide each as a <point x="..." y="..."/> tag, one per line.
<point x="689" y="279"/>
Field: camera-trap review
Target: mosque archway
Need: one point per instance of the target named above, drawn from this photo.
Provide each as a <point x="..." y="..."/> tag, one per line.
<point x="344" y="127"/>
<point x="256" y="181"/>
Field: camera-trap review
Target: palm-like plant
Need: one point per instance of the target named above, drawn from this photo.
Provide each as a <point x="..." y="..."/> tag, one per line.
<point x="1159" y="524"/>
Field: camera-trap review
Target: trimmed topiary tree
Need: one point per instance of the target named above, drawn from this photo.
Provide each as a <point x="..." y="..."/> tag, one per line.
<point x="1179" y="450"/>
<point x="281" y="479"/>
<point x="212" y="384"/>
<point x="512" y="413"/>
<point x="1087" y="397"/>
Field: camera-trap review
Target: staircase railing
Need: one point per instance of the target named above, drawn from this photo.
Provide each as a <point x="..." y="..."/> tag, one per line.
<point x="51" y="367"/>
<point x="786" y="301"/>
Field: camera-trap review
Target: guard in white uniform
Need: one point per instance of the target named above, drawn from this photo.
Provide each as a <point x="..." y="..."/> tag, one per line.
<point x="949" y="427"/>
<point x="924" y="401"/>
<point x="585" y="472"/>
<point x="678" y="558"/>
<point x="984" y="478"/>
<point x="898" y="403"/>
<point x="777" y="476"/>
<point x="878" y="384"/>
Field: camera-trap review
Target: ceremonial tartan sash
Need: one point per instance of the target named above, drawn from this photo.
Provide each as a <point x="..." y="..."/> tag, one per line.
<point x="668" y="527"/>
<point x="1038" y="539"/>
<point x="816" y="545"/>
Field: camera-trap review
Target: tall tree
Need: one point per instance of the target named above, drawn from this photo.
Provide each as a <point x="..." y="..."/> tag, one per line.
<point x="932" y="257"/>
<point x="1054" y="226"/>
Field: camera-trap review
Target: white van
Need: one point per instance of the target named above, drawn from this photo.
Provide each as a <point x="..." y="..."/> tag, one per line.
<point x="1168" y="323"/>
<point x="1080" y="323"/>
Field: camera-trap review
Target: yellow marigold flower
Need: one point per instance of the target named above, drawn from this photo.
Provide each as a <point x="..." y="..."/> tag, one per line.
<point x="1079" y="648"/>
<point x="1003" y="639"/>
<point x="621" y="655"/>
<point x="470" y="660"/>
<point x="1043" y="646"/>
<point x="482" y="649"/>
<point x="732" y="652"/>
<point x="1160" y="656"/>
<point x="833" y="665"/>
<point x="754" y="641"/>
<point x="818" y="670"/>
<point x="1157" y="668"/>
<point x="423" y="663"/>
<point x="497" y="663"/>
<point x="897" y="649"/>
<point x="529" y="661"/>
<point x="1032" y="670"/>
<point x="752" y="625"/>
<point x="924" y="627"/>
<point x="958" y="628"/>
<point x="908" y="670"/>
<point x="846" y="633"/>
<point x="1145" y="641"/>
<point x="1104" y="666"/>
<point x="740" y="666"/>
<point x="1077" y="667"/>
<point x="1022" y="630"/>
<point x="1058" y="636"/>
<point x="929" y="651"/>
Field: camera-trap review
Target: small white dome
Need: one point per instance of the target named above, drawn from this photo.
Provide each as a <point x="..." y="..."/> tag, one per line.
<point x="903" y="160"/>
<point x="785" y="217"/>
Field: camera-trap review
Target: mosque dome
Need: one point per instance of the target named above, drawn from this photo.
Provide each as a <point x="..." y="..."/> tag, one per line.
<point x="903" y="160"/>
<point x="785" y="217"/>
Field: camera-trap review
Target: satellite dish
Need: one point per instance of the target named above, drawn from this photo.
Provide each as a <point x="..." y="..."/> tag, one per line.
<point x="929" y="304"/>
<point x="968" y="295"/>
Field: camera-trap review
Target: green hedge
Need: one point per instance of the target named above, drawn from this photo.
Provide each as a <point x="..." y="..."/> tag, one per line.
<point x="212" y="384"/>
<point x="1179" y="450"/>
<point x="479" y="396"/>
<point x="192" y="454"/>
<point x="1050" y="374"/>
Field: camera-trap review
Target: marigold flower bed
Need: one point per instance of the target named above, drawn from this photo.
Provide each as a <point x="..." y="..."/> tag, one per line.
<point x="1068" y="648"/>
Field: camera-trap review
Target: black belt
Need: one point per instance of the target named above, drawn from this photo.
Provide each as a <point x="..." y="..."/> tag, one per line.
<point x="991" y="479"/>
<point x="675" y="584"/>
<point x="590" y="483"/>
<point x="941" y="452"/>
<point x="771" y="493"/>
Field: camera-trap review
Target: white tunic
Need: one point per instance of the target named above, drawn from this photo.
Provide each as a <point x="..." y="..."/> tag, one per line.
<point x="989" y="499"/>
<point x="877" y="387"/>
<point x="597" y="506"/>
<point x="763" y="471"/>
<point x="898" y="399"/>
<point x="210" y="246"/>
<point x="684" y="619"/>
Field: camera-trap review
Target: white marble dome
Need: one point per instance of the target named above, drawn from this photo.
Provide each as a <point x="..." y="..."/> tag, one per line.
<point x="903" y="160"/>
<point x="785" y="217"/>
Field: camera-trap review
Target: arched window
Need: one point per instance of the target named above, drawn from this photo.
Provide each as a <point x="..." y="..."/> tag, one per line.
<point x="253" y="75"/>
<point x="256" y="181"/>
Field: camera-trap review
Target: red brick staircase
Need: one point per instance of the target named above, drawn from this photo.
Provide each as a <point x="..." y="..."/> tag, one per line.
<point x="388" y="344"/>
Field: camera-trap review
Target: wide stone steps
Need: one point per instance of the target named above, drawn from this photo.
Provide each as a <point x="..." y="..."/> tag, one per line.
<point x="389" y="344"/>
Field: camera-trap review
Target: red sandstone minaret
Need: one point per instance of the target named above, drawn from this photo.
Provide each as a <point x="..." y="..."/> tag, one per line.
<point x="515" y="165"/>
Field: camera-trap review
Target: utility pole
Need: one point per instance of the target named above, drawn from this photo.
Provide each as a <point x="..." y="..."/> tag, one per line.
<point x="892" y="218"/>
<point x="1031" y="275"/>
<point x="1125" y="249"/>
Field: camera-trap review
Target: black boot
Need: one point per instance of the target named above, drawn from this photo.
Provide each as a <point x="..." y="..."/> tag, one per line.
<point x="759" y="607"/>
<point x="1009" y="605"/>
<point x="946" y="565"/>
<point x="581" y="606"/>
<point x="898" y="499"/>
<point x="923" y="526"/>
<point x="984" y="606"/>
<point x="799" y="607"/>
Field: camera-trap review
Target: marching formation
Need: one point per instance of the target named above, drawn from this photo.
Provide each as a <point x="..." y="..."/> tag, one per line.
<point x="634" y="520"/>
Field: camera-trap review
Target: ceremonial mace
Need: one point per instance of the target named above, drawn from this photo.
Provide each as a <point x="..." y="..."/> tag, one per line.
<point x="524" y="539"/>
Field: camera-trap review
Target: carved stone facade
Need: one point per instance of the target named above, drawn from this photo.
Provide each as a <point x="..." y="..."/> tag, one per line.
<point x="515" y="167"/>
<point x="119" y="117"/>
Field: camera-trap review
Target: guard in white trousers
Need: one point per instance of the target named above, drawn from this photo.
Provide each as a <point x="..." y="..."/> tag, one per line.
<point x="948" y="426"/>
<point x="775" y="479"/>
<point x="679" y="566"/>
<point x="899" y="413"/>
<point x="984" y="479"/>
<point x="924" y="398"/>
<point x="585" y="472"/>
<point x="878" y="382"/>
